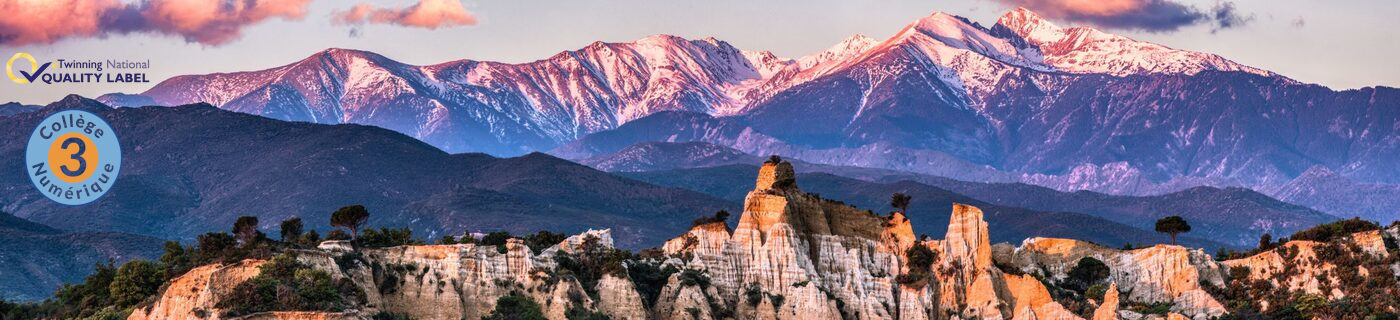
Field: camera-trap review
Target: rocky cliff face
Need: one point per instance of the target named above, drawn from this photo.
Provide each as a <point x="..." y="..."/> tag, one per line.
<point x="793" y="255"/>
<point x="195" y="293"/>
<point x="1158" y="274"/>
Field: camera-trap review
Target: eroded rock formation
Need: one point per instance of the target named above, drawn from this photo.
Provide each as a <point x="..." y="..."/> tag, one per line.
<point x="793" y="255"/>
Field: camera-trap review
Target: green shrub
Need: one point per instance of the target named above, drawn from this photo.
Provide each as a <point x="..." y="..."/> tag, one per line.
<point x="1335" y="230"/>
<point x="777" y="300"/>
<point x="134" y="281"/>
<point x="579" y="313"/>
<point x="515" y="307"/>
<point x="753" y="294"/>
<point x="692" y="277"/>
<point x="591" y="261"/>
<point x="543" y="240"/>
<point x="719" y="217"/>
<point x="175" y="260"/>
<point x="649" y="277"/>
<point x="386" y="237"/>
<point x="214" y="247"/>
<point x="309" y="239"/>
<point x="497" y="238"/>
<point x="919" y="260"/>
<point x="284" y="284"/>
<point x="291" y="230"/>
<point x="385" y="315"/>
<point x="337" y="234"/>
<point x="1087" y="272"/>
<point x="1096" y="292"/>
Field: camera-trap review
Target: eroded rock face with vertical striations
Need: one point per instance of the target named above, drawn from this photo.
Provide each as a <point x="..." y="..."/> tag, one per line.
<point x="1157" y="274"/>
<point x="832" y="261"/>
<point x="195" y="293"/>
<point x="793" y="255"/>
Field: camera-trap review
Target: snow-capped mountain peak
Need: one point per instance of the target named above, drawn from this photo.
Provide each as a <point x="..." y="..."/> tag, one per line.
<point x="507" y="108"/>
<point x="766" y="63"/>
<point x="1088" y="50"/>
<point x="944" y="37"/>
<point x="1028" y="25"/>
<point x="850" y="47"/>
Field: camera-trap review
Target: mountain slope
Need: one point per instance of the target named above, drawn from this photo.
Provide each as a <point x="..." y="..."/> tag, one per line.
<point x="35" y="260"/>
<point x="1023" y="100"/>
<point x="195" y="169"/>
<point x="1325" y="190"/>
<point x="13" y="108"/>
<point x="499" y="108"/>
<point x="652" y="156"/>
<point x="1087" y="50"/>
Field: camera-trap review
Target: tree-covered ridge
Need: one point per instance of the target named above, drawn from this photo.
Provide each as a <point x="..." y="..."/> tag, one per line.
<point x="285" y="284"/>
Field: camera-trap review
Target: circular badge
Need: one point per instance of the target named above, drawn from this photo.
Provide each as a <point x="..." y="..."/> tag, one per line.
<point x="73" y="157"/>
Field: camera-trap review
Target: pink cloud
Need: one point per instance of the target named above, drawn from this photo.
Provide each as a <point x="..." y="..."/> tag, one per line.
<point x="217" y="21"/>
<point x="211" y="22"/>
<point x="45" y="21"/>
<point x="430" y="14"/>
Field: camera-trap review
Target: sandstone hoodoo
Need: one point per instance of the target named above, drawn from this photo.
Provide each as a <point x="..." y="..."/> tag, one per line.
<point x="795" y="255"/>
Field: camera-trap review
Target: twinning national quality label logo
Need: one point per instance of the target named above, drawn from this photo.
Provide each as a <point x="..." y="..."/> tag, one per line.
<point x="33" y="65"/>
<point x="73" y="157"/>
<point x="69" y="71"/>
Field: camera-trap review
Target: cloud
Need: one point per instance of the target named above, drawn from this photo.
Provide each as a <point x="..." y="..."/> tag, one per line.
<point x="430" y="14"/>
<point x="210" y="22"/>
<point x="1227" y="17"/>
<point x="40" y="21"/>
<point x="1145" y="15"/>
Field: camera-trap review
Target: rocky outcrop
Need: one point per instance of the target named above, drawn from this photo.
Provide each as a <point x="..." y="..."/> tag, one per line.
<point x="1108" y="309"/>
<point x="1031" y="300"/>
<point x="828" y="261"/>
<point x="195" y="293"/>
<point x="793" y="255"/>
<point x="1158" y="274"/>
<point x="618" y="298"/>
<point x="459" y="281"/>
<point x="1297" y="265"/>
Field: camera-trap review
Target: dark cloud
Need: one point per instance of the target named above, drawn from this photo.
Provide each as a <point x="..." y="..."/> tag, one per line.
<point x="1144" y="15"/>
<point x="1227" y="17"/>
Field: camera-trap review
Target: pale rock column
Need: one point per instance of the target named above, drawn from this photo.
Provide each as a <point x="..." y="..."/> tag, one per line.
<point x="1108" y="310"/>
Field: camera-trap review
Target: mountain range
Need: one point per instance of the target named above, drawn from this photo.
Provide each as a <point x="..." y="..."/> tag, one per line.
<point x="192" y="169"/>
<point x="1024" y="100"/>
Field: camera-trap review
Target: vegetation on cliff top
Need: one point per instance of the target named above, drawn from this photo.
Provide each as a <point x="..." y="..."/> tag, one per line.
<point x="1375" y="296"/>
<point x="1173" y="225"/>
<point x="112" y="292"/>
<point x="284" y="283"/>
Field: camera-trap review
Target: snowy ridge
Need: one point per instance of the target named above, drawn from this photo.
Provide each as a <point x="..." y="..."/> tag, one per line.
<point x="841" y="52"/>
<point x="1088" y="50"/>
<point x="507" y="109"/>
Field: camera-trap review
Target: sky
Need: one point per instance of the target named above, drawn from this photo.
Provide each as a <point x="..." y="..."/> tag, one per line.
<point x="1339" y="44"/>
